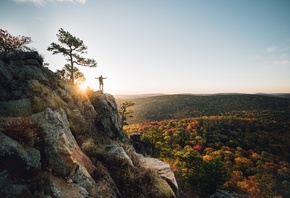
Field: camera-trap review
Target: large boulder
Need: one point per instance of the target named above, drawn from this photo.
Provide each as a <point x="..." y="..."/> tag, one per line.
<point x="119" y="152"/>
<point x="19" y="167"/>
<point x="107" y="118"/>
<point x="162" y="168"/>
<point x="13" y="154"/>
<point x="64" y="156"/>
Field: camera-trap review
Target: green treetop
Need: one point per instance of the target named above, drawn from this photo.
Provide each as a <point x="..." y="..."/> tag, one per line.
<point x="72" y="48"/>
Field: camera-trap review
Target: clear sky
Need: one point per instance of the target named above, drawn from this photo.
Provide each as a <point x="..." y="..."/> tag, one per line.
<point x="166" y="46"/>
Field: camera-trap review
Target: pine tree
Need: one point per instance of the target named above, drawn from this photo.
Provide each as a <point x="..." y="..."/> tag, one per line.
<point x="126" y="113"/>
<point x="72" y="48"/>
<point x="65" y="74"/>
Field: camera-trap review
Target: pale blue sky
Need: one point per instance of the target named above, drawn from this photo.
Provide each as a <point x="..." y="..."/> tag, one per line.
<point x="166" y="46"/>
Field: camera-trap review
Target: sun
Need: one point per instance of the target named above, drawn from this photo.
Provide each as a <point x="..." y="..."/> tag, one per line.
<point x="83" y="86"/>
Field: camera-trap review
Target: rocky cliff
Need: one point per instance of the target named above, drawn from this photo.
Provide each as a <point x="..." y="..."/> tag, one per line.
<point x="56" y="141"/>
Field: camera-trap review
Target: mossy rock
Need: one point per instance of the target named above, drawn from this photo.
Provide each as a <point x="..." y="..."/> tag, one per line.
<point x="21" y="107"/>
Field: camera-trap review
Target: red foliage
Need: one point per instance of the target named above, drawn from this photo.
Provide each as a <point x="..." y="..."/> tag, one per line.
<point x="170" y="130"/>
<point x="251" y="151"/>
<point x="9" y="43"/>
<point x="197" y="147"/>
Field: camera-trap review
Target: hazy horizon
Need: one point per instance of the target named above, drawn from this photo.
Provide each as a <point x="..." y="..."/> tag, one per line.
<point x="171" y="47"/>
<point x="164" y="94"/>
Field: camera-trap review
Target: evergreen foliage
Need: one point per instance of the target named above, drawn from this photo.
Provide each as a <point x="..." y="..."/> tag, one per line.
<point x="126" y="113"/>
<point x="65" y="74"/>
<point x="72" y="48"/>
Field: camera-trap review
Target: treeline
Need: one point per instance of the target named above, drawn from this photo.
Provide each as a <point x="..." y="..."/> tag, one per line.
<point x="246" y="153"/>
<point x="166" y="107"/>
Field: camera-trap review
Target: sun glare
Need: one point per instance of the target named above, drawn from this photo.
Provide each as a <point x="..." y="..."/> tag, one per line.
<point x="83" y="86"/>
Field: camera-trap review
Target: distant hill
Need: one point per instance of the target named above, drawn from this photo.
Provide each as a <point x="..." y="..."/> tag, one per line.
<point x="129" y="96"/>
<point x="162" y="107"/>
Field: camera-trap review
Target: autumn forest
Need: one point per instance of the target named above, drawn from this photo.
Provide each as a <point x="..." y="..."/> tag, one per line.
<point x="236" y="143"/>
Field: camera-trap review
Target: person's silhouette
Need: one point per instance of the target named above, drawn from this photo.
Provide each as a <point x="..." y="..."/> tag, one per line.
<point x="101" y="82"/>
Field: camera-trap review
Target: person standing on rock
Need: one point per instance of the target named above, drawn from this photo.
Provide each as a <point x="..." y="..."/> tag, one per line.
<point x="101" y="82"/>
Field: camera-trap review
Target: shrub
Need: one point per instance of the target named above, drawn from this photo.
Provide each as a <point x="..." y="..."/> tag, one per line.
<point x="9" y="43"/>
<point x="89" y="146"/>
<point x="22" y="129"/>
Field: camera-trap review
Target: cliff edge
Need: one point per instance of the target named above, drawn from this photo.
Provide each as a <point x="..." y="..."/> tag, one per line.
<point x="57" y="141"/>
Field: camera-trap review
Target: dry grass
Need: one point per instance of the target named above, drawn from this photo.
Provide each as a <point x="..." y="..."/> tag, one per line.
<point x="22" y="129"/>
<point x="41" y="97"/>
<point x="136" y="181"/>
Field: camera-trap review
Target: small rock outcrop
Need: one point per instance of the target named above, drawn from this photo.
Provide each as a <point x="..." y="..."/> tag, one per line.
<point x="107" y="118"/>
<point x="162" y="168"/>
<point x="223" y="194"/>
<point x="17" y="68"/>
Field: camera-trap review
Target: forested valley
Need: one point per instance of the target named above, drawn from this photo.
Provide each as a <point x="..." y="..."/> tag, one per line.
<point x="237" y="143"/>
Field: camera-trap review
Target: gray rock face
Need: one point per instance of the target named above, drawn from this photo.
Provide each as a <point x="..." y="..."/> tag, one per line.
<point x="23" y="56"/>
<point x="29" y="72"/>
<point x="12" y="153"/>
<point x="61" y="188"/>
<point x="5" y="76"/>
<point x="120" y="153"/>
<point x="15" y="70"/>
<point x="64" y="156"/>
<point x="56" y="166"/>
<point x="161" y="167"/>
<point x="107" y="118"/>
<point x="15" y="107"/>
<point x="17" y="163"/>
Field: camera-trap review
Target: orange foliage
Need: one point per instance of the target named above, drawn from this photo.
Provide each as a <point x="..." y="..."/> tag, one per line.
<point x="249" y="185"/>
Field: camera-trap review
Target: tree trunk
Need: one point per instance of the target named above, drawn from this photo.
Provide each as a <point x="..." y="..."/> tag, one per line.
<point x="71" y="68"/>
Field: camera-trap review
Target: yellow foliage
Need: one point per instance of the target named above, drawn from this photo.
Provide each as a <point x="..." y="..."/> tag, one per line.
<point x="249" y="185"/>
<point x="244" y="161"/>
<point x="207" y="157"/>
<point x="256" y="156"/>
